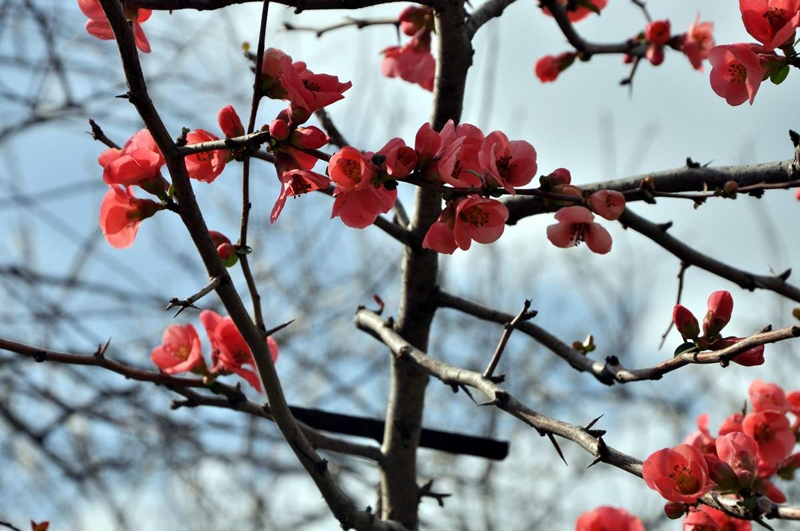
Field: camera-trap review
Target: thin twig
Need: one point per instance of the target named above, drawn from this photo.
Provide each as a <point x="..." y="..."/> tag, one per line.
<point x="189" y="302"/>
<point x="681" y="272"/>
<point x="508" y="328"/>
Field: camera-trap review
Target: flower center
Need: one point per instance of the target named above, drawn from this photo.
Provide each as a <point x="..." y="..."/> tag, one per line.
<point x="310" y="85"/>
<point x="776" y="17"/>
<point x="299" y="185"/>
<point x="182" y="352"/>
<point x="505" y="165"/>
<point x="578" y="230"/>
<point x="738" y="72"/>
<point x="351" y="168"/>
<point x="475" y="216"/>
<point x="685" y="482"/>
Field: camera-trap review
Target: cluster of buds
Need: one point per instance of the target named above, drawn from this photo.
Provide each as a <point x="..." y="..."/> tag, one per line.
<point x="720" y="308"/>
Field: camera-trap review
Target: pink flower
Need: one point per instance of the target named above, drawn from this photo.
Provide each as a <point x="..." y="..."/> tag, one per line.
<point x="773" y="434"/>
<point x="229" y="122"/>
<point x="478" y="218"/>
<point x="608" y="204"/>
<point x="458" y="159"/>
<point x="297" y="182"/>
<point x="768" y="397"/>
<point x="229" y="351"/>
<point x="550" y="66"/>
<point x="440" y="236"/>
<point x="412" y="62"/>
<point x="98" y="25"/>
<point x="607" y="518"/>
<point x="740" y="452"/>
<point x="208" y="165"/>
<point x="679" y="474"/>
<point x="350" y="170"/>
<point x="720" y="308"/>
<point x="713" y="517"/>
<point x="308" y="137"/>
<point x="400" y="159"/>
<point x="736" y="72"/>
<point x="468" y="218"/>
<point x="426" y="144"/>
<point x="361" y="207"/>
<point x="121" y="213"/>
<point x="179" y="351"/>
<point x="509" y="164"/>
<point x="138" y="160"/>
<point x="580" y="12"/>
<point x="309" y="92"/>
<point x="575" y="225"/>
<point x="771" y="22"/>
<point x="657" y="32"/>
<point x="685" y="322"/>
<point x="698" y="42"/>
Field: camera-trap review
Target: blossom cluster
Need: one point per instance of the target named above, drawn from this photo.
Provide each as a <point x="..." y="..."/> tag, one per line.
<point x="718" y="314"/>
<point x="180" y="350"/>
<point x="412" y="62"/>
<point x="696" y="44"/>
<point x="739" y="69"/>
<point x="740" y="465"/>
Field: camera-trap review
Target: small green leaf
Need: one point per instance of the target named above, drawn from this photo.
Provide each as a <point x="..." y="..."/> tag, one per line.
<point x="778" y="76"/>
<point x="685" y="348"/>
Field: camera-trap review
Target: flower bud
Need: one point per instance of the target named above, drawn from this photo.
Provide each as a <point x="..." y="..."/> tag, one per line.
<point x="279" y="129"/>
<point x="675" y="510"/>
<point x="685" y="322"/>
<point x="227" y="253"/>
<point x="229" y="122"/>
<point x="720" y="307"/>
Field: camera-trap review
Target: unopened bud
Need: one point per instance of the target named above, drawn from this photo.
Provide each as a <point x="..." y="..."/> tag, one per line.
<point x="675" y="510"/>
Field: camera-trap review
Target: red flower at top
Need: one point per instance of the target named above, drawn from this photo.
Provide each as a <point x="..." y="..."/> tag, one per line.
<point x="771" y="22"/>
<point x="605" y="517"/>
<point x="581" y="12"/>
<point x="307" y="91"/>
<point x="98" y="25"/>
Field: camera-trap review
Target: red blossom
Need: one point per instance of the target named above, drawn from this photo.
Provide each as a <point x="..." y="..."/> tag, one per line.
<point x="679" y="474"/>
<point x="205" y="166"/>
<point x="469" y="218"/>
<point x="229" y="350"/>
<point x="98" y="25"/>
<point x="698" y="42"/>
<point x="307" y="91"/>
<point x="507" y="163"/>
<point x="771" y="22"/>
<point x="702" y="439"/>
<point x="297" y="182"/>
<point x="413" y="62"/>
<point x="138" y="160"/>
<point x="576" y="224"/>
<point x="773" y="434"/>
<point x="400" y="159"/>
<point x="736" y="72"/>
<point x="748" y="358"/>
<point x="608" y="204"/>
<point x="360" y="208"/>
<point x="121" y="213"/>
<point x="657" y="32"/>
<point x="607" y="518"/>
<point x="740" y="452"/>
<point x="350" y="170"/>
<point x="179" y="351"/>
<point x="768" y="397"/>
<point x="415" y="18"/>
